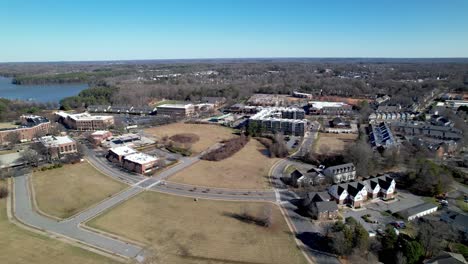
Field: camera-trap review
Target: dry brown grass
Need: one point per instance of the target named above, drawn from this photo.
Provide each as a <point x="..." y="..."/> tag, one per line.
<point x="66" y="191"/>
<point x="328" y="143"/>
<point x="185" y="138"/>
<point x="182" y="230"/>
<point x="208" y="134"/>
<point x="246" y="169"/>
<point x="19" y="246"/>
<point x="4" y="125"/>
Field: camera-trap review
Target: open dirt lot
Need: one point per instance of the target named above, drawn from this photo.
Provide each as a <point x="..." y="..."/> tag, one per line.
<point x="19" y="246"/>
<point x="66" y="191"/>
<point x="208" y="134"/>
<point x="247" y="169"/>
<point x="333" y="143"/>
<point x="182" y="230"/>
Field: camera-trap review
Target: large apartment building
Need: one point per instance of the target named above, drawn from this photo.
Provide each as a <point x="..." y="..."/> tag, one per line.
<point x="84" y="121"/>
<point x="176" y="110"/>
<point x="341" y="173"/>
<point x="289" y="121"/>
<point x="329" y="108"/>
<point x="31" y="127"/>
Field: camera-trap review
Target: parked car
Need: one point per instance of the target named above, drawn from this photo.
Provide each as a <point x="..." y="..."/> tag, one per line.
<point x="399" y="224"/>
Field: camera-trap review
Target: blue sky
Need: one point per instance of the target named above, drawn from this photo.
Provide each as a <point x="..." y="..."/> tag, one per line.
<point x="65" y="30"/>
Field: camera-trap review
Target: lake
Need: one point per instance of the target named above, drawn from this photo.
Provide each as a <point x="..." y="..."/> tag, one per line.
<point x="39" y="93"/>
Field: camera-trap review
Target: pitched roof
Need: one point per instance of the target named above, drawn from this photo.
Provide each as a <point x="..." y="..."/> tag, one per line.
<point x="447" y="258"/>
<point x="326" y="206"/>
<point x="418" y="209"/>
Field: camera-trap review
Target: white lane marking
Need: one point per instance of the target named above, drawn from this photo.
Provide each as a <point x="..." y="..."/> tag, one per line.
<point x="153" y="184"/>
<point x="140" y="182"/>
<point x="278" y="196"/>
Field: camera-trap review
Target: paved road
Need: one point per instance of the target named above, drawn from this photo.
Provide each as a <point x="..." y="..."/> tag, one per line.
<point x="69" y="228"/>
<point x="304" y="229"/>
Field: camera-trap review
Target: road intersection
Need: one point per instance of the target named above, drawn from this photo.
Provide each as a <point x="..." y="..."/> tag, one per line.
<point x="71" y="228"/>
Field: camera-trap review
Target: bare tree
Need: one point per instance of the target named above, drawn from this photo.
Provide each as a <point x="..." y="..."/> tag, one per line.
<point x="30" y="157"/>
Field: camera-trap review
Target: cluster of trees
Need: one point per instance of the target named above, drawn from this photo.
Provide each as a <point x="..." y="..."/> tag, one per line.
<point x="11" y="109"/>
<point x="349" y="238"/>
<point x="95" y="95"/>
<point x="430" y="239"/>
<point x="229" y="148"/>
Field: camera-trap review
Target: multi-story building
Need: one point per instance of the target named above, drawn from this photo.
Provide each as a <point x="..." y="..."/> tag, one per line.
<point x="176" y="110"/>
<point x="99" y="136"/>
<point x="356" y="193"/>
<point x="59" y="146"/>
<point x="329" y="108"/>
<point x="31" y="127"/>
<point x="381" y="136"/>
<point x="288" y="121"/>
<point x="428" y="130"/>
<point x="341" y="173"/>
<point x="84" y="121"/>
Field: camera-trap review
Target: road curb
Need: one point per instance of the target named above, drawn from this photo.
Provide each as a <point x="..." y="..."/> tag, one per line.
<point x="62" y="238"/>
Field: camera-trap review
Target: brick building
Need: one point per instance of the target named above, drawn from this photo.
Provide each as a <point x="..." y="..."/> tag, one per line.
<point x="59" y="146"/>
<point x="99" y="136"/>
<point x="31" y="127"/>
<point x="118" y="154"/>
<point x="140" y="162"/>
<point x="84" y="121"/>
<point x="176" y="110"/>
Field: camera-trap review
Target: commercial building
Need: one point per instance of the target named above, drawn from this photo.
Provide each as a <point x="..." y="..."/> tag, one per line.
<point x="338" y="126"/>
<point x="302" y="95"/>
<point x="132" y="160"/>
<point x="140" y="162"/>
<point x="419" y="211"/>
<point x="341" y="173"/>
<point x="59" y="146"/>
<point x="99" y="136"/>
<point x="31" y="127"/>
<point x="329" y="108"/>
<point x="289" y="121"/>
<point x="176" y="110"/>
<point x="84" y="121"/>
<point x="456" y="103"/>
<point x="118" y="154"/>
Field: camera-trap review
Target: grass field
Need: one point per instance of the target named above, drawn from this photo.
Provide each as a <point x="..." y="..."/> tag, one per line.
<point x="328" y="143"/>
<point x="19" y="246"/>
<point x="247" y="169"/>
<point x="4" y="125"/>
<point x="208" y="134"/>
<point x="182" y="230"/>
<point x="66" y="191"/>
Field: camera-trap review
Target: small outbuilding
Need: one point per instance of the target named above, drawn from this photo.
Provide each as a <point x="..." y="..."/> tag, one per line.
<point x="419" y="211"/>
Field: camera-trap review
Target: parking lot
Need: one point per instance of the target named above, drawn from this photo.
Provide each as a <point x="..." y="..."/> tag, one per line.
<point x="378" y="210"/>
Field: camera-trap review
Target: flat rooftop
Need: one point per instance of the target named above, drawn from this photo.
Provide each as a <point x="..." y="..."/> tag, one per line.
<point x="320" y="104"/>
<point x="123" y="150"/>
<point x="180" y="106"/>
<point x="51" y="141"/>
<point x="140" y="158"/>
<point x="83" y="116"/>
<point x="100" y="133"/>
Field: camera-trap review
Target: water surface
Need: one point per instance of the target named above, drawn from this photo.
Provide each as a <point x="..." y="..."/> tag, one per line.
<point x="39" y="93"/>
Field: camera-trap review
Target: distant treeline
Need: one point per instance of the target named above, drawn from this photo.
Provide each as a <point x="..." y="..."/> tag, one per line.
<point x="72" y="77"/>
<point x="10" y="110"/>
<point x="101" y="95"/>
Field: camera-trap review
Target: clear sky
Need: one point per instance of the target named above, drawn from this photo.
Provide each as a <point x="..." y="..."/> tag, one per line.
<point x="65" y="30"/>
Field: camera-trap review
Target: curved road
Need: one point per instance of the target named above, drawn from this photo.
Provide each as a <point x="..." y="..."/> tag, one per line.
<point x="70" y="228"/>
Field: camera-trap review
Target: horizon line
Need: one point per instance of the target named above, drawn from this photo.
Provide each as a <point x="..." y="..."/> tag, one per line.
<point x="240" y="58"/>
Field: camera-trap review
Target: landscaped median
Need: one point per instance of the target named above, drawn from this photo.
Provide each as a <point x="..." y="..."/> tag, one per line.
<point x="183" y="230"/>
<point x="66" y="191"/>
